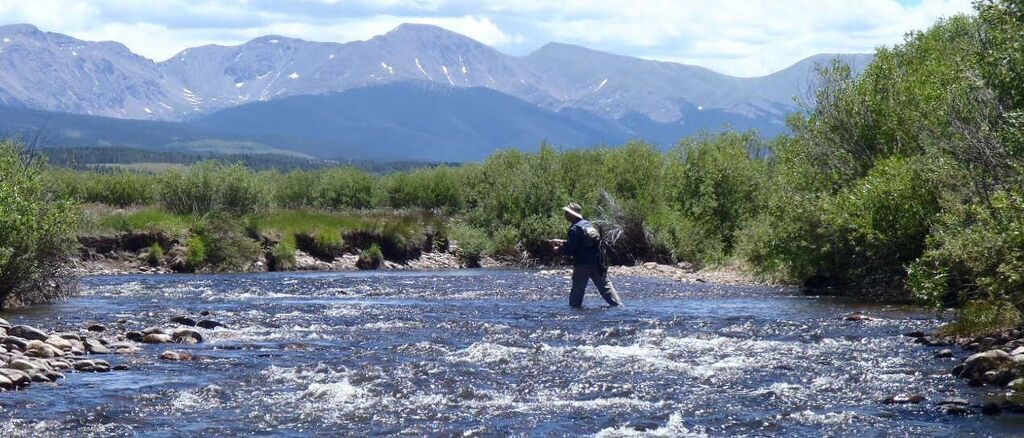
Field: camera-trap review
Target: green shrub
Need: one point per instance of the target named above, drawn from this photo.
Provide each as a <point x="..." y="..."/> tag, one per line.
<point x="982" y="317"/>
<point x="473" y="244"/>
<point x="155" y="254"/>
<point x="195" y="257"/>
<point x="210" y="186"/>
<point x="219" y="244"/>
<point x="370" y="258"/>
<point x="345" y="188"/>
<point x="37" y="230"/>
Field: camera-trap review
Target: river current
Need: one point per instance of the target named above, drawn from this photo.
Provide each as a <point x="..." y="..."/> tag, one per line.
<point x="480" y="353"/>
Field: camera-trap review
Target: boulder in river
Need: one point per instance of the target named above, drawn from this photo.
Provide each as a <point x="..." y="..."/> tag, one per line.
<point x="978" y="364"/>
<point x="858" y="316"/>
<point x="4" y="324"/>
<point x="27" y="332"/>
<point x="186" y="336"/>
<point x="184" y="320"/>
<point x="944" y="353"/>
<point x="210" y="324"/>
<point x="94" y="346"/>
<point x="904" y="399"/>
<point x="154" y="330"/>
<point x="18" y="378"/>
<point x="134" y="336"/>
<point x="156" y="338"/>
<point x="96" y="328"/>
<point x="175" y="356"/>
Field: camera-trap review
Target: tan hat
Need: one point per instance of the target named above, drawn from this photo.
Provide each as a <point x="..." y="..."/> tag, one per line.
<point x="574" y="209"/>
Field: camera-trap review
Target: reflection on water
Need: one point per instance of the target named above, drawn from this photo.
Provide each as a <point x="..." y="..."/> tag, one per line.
<point x="485" y="352"/>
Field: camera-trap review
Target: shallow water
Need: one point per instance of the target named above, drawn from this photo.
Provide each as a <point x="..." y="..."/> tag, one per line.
<point x="492" y="352"/>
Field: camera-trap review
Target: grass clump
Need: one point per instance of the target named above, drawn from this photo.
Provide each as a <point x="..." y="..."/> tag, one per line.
<point x="370" y="258"/>
<point x="155" y="254"/>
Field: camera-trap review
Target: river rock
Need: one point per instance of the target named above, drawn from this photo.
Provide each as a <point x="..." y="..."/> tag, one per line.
<point x="980" y="363"/>
<point x="92" y="366"/>
<point x="186" y="336"/>
<point x="1016" y="384"/>
<point x="154" y="331"/>
<point x="123" y="348"/>
<point x="904" y="399"/>
<point x="28" y="332"/>
<point x="94" y="346"/>
<point x="209" y="324"/>
<point x="16" y="343"/>
<point x="53" y="375"/>
<point x="60" y="364"/>
<point x="175" y="355"/>
<point x="944" y="353"/>
<point x="59" y="342"/>
<point x="18" y="378"/>
<point x="39" y="377"/>
<point x="4" y="324"/>
<point x="915" y="334"/>
<point x="42" y="349"/>
<point x="156" y="338"/>
<point x="5" y="383"/>
<point x="1016" y="351"/>
<point x="24" y="365"/>
<point x="134" y="336"/>
<point x="858" y="316"/>
<point x="98" y="328"/>
<point x="70" y="336"/>
<point x="184" y="320"/>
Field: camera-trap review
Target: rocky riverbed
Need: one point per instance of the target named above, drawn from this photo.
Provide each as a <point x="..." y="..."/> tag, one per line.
<point x="993" y="362"/>
<point x="30" y="355"/>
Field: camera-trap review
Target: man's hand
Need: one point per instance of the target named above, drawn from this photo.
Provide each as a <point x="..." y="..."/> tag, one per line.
<point x="557" y="244"/>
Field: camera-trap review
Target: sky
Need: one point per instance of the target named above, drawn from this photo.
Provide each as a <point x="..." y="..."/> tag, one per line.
<point x="737" y="37"/>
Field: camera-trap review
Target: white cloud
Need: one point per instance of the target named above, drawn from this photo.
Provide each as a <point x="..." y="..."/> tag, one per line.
<point x="741" y="37"/>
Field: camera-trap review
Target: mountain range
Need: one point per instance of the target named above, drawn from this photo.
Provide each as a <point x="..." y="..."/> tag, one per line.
<point x="417" y="92"/>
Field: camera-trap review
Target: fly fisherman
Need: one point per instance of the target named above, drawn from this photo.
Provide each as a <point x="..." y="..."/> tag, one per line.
<point x="584" y="246"/>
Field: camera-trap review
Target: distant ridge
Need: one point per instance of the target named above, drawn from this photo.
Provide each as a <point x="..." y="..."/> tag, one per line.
<point x="578" y="95"/>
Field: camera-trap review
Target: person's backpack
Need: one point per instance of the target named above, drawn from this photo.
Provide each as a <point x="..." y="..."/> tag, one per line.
<point x="593" y="239"/>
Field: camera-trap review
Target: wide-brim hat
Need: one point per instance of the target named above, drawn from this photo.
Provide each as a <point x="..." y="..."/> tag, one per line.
<point x="573" y="209"/>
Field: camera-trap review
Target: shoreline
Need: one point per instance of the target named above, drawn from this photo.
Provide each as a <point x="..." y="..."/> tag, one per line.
<point x="447" y="261"/>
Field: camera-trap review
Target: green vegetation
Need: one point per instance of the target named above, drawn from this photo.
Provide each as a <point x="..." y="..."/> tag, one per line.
<point x="36" y="233"/>
<point x="370" y="258"/>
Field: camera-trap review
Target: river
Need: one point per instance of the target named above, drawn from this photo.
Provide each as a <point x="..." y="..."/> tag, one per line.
<point x="492" y="352"/>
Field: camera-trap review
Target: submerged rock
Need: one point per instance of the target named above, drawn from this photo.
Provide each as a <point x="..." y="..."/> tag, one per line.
<point x="184" y="320"/>
<point x="96" y="328"/>
<point x="209" y="324"/>
<point x="904" y="399"/>
<point x="944" y="353"/>
<point x="858" y="316"/>
<point x="93" y="346"/>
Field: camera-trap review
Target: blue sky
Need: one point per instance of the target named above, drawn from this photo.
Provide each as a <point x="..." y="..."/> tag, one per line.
<point x="743" y="38"/>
